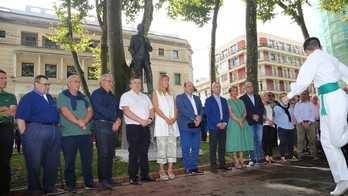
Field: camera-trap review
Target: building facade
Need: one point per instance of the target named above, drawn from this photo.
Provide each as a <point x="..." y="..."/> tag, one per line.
<point x="333" y="32"/>
<point x="26" y="52"/>
<point x="279" y="61"/>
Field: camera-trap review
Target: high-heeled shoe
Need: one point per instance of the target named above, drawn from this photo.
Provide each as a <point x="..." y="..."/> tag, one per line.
<point x="171" y="175"/>
<point x="163" y="177"/>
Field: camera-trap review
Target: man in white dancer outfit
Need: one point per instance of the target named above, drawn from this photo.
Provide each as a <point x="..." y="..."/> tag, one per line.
<point x="326" y="71"/>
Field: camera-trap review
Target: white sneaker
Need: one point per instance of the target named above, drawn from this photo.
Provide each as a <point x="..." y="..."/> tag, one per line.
<point x="282" y="159"/>
<point x="341" y="187"/>
<point x="293" y="159"/>
<point x="251" y="163"/>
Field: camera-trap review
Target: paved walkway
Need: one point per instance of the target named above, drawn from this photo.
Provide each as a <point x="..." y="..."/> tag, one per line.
<point x="290" y="178"/>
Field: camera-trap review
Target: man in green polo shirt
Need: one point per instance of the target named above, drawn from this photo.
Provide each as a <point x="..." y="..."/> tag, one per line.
<point x="8" y="107"/>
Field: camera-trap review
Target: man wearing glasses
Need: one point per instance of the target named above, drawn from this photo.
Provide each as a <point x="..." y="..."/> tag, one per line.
<point x="75" y="115"/>
<point x="37" y="119"/>
<point x="107" y="121"/>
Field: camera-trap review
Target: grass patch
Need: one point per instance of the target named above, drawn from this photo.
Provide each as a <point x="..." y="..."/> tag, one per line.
<point x="19" y="179"/>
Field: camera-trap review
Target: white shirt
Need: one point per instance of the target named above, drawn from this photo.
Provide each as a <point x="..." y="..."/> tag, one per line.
<point x="320" y="67"/>
<point x="269" y="113"/>
<point x="252" y="98"/>
<point x="166" y="105"/>
<point x="304" y="111"/>
<point x="192" y="100"/>
<point x="138" y="104"/>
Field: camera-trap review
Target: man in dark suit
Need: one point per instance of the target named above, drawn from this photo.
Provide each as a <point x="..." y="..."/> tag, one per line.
<point x="255" y="110"/>
<point x="217" y="114"/>
<point x="190" y="112"/>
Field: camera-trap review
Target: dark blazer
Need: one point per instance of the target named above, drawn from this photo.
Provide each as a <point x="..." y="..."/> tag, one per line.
<point x="186" y="113"/>
<point x="252" y="109"/>
<point x="136" y="43"/>
<point x="213" y="114"/>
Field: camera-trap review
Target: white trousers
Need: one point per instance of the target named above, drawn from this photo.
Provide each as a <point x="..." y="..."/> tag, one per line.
<point x="334" y="132"/>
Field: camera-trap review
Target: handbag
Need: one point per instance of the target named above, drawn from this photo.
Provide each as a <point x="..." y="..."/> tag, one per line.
<point x="192" y="125"/>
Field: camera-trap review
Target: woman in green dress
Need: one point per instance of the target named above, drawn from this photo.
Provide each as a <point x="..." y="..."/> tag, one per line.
<point x="239" y="137"/>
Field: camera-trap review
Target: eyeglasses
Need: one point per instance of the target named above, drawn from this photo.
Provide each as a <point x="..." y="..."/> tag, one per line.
<point x="110" y="81"/>
<point x="76" y="82"/>
<point x="45" y="84"/>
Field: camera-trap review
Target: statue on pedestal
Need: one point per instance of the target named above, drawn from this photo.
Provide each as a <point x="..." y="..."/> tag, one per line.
<point x="139" y="48"/>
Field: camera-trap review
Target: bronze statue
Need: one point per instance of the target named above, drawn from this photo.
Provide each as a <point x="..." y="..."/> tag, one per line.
<point x="139" y="49"/>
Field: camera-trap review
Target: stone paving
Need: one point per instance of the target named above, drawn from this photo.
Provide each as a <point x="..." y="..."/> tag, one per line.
<point x="284" y="179"/>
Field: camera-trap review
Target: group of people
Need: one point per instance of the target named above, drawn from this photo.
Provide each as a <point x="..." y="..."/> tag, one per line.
<point x="235" y="125"/>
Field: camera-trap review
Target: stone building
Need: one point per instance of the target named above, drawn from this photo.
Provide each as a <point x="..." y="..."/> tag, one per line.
<point x="26" y="52"/>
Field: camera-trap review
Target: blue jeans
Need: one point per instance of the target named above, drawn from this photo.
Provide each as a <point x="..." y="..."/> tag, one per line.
<point x="190" y="144"/>
<point x="286" y="137"/>
<point x="70" y="145"/>
<point x="106" y="145"/>
<point x="256" y="133"/>
<point x="41" y="148"/>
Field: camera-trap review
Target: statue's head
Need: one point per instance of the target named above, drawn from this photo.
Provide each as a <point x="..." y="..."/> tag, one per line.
<point x="141" y="28"/>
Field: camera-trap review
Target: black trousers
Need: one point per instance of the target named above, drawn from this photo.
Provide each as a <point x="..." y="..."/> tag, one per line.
<point x="267" y="140"/>
<point x="6" y="148"/>
<point x="217" y="139"/>
<point x="138" y="138"/>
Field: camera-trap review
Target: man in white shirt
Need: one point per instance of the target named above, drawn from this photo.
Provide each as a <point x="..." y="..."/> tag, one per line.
<point x="138" y="115"/>
<point x="305" y="118"/>
<point x="326" y="71"/>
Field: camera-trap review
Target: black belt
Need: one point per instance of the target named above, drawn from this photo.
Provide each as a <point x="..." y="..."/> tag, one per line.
<point x="108" y="121"/>
<point x="42" y="123"/>
<point x="317" y="120"/>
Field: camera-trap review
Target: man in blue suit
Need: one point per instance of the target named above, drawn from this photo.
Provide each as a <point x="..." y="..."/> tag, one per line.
<point x="217" y="114"/>
<point x="190" y="112"/>
<point x="255" y="110"/>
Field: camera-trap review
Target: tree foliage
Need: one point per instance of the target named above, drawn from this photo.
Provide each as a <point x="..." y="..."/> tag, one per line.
<point x="335" y="6"/>
<point x="266" y="11"/>
<point x="199" y="12"/>
<point x="71" y="14"/>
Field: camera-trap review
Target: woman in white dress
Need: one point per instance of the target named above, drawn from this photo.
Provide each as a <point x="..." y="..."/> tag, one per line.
<point x="166" y="128"/>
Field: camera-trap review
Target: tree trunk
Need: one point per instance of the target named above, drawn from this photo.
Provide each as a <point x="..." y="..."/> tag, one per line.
<point x="118" y="66"/>
<point x="148" y="15"/>
<point x="297" y="16"/>
<point x="103" y="37"/>
<point x="77" y="65"/>
<point x="300" y="20"/>
<point x="213" y="42"/>
<point x="252" y="48"/>
<point x="80" y="73"/>
<point x="104" y="50"/>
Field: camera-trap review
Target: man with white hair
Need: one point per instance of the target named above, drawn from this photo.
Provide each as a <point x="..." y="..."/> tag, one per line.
<point x="75" y="115"/>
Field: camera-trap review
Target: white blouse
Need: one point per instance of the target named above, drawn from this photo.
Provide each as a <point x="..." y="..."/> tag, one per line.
<point x="166" y="105"/>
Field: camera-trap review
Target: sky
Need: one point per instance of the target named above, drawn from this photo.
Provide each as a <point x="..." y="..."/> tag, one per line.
<point x="231" y="24"/>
